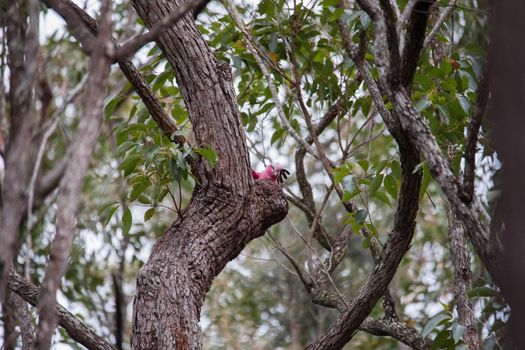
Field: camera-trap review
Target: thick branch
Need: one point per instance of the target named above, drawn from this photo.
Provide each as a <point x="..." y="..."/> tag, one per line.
<point x="130" y="47"/>
<point x="208" y="93"/>
<point x="472" y="136"/>
<point x="398" y="243"/>
<point x="462" y="280"/>
<point x="415" y="37"/>
<point x="76" y="329"/>
<point x="71" y="185"/>
<point x="22" y="55"/>
<point x="419" y="132"/>
<point x="397" y="330"/>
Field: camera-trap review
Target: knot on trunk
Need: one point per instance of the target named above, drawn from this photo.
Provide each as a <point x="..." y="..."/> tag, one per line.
<point x="269" y="198"/>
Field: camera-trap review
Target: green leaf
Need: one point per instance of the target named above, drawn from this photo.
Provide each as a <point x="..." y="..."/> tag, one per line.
<point x="422" y="105"/>
<point x="443" y="340"/>
<point x="277" y="135"/>
<point x="209" y="154"/>
<point x="339" y="174"/>
<point x="110" y="106"/>
<point x="126" y="221"/>
<point x="391" y="186"/>
<point x="375" y="184"/>
<point x="434" y="322"/>
<point x="124" y="147"/>
<point x="363" y="163"/>
<point x="382" y="197"/>
<point x="360" y="216"/>
<point x="149" y="214"/>
<point x="483" y="292"/>
<point x="109" y="211"/>
<point x="129" y="164"/>
<point x="457" y="332"/>
<point x="137" y="191"/>
<point x="425" y="181"/>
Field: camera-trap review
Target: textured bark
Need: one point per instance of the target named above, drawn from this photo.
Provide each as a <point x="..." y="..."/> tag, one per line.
<point x="71" y="185"/>
<point x="490" y="252"/>
<point x="24" y="321"/>
<point x="397" y="244"/>
<point x="76" y="329"/>
<point x="415" y="38"/>
<point x="227" y="210"/>
<point x="22" y="53"/>
<point x="9" y="323"/>
<point x="462" y="280"/>
<point x="397" y="330"/>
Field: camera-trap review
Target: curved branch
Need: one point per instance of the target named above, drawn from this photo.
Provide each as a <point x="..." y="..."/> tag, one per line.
<point x="76" y="329"/>
<point x="397" y="330"/>
<point x="415" y="38"/>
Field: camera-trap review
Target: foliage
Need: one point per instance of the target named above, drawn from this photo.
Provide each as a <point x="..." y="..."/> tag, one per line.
<point x="139" y="180"/>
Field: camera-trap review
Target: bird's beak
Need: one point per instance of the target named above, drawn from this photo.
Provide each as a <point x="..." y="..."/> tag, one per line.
<point x="283" y="175"/>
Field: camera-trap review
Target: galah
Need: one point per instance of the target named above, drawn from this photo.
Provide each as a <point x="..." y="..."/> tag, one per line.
<point x="273" y="172"/>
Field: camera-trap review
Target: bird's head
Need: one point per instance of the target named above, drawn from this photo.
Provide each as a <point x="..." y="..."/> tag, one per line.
<point x="279" y="172"/>
<point x="276" y="168"/>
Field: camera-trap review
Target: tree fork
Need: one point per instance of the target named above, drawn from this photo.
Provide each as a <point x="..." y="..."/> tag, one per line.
<point x="228" y="208"/>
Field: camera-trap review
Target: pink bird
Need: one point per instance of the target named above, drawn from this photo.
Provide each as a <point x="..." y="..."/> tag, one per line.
<point x="273" y="172"/>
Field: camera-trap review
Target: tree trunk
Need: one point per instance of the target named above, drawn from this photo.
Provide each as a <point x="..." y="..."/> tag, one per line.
<point x="228" y="208"/>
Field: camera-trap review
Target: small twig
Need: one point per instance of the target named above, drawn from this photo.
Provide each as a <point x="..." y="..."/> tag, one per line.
<point x="248" y="40"/>
<point x="442" y="18"/>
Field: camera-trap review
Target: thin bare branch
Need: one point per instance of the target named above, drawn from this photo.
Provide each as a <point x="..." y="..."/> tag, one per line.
<point x="398" y="330"/>
<point x="472" y="135"/>
<point x="437" y="25"/>
<point x="248" y="40"/>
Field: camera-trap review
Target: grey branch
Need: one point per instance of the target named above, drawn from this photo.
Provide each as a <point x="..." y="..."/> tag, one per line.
<point x="462" y="280"/>
<point x="71" y="185"/>
<point x="442" y="18"/>
<point x="76" y="329"/>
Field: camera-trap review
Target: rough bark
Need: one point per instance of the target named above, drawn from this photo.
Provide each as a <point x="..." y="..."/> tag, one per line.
<point x="71" y="185"/>
<point x="398" y="243"/>
<point x="462" y="280"/>
<point x="24" y="321"/>
<point x="397" y="330"/>
<point x="9" y="322"/>
<point x="22" y="53"/>
<point x="227" y="210"/>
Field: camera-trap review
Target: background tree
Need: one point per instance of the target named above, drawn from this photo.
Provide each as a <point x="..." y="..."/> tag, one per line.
<point x="377" y="107"/>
